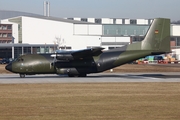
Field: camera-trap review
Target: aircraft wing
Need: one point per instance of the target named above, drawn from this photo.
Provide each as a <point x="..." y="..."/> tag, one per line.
<point x="79" y="54"/>
<point x="87" y="52"/>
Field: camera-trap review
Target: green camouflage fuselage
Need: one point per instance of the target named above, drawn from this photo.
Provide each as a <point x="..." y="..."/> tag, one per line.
<point x="44" y="64"/>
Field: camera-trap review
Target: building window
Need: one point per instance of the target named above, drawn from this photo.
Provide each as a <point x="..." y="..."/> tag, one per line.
<point x="36" y="50"/>
<point x="0" y="34"/>
<point x="9" y="35"/>
<point x="4" y="35"/>
<point x="9" y="27"/>
<point x="177" y="41"/>
<point x="84" y="19"/>
<point x="114" y="21"/>
<point x="149" y="21"/>
<point x="68" y="48"/>
<point x="134" y="22"/>
<point x="65" y="47"/>
<point x="17" y="51"/>
<point x="123" y="21"/>
<point x="4" y="27"/>
<point x="112" y="48"/>
<point x="99" y="21"/>
<point x="137" y="38"/>
<point x="71" y="18"/>
<point x="27" y="50"/>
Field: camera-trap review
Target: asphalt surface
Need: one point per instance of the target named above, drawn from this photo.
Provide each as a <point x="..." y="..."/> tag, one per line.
<point x="92" y="78"/>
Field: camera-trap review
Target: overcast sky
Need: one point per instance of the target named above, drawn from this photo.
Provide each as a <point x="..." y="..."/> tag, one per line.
<point x="99" y="8"/>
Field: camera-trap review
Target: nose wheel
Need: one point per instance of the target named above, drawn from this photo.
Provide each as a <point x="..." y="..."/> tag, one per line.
<point x="22" y="75"/>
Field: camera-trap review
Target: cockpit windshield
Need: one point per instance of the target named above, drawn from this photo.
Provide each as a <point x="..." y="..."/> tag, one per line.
<point x="19" y="59"/>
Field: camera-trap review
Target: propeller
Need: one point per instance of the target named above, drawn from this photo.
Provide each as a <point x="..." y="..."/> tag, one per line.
<point x="54" y="60"/>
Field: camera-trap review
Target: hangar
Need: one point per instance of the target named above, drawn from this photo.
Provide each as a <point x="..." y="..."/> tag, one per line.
<point x="22" y="33"/>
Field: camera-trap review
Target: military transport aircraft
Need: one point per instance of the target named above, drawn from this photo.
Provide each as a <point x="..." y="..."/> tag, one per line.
<point x="82" y="62"/>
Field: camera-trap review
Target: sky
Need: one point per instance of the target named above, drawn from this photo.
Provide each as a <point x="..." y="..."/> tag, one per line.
<point x="133" y="9"/>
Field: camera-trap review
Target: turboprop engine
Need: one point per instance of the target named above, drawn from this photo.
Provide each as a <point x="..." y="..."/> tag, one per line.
<point x="64" y="56"/>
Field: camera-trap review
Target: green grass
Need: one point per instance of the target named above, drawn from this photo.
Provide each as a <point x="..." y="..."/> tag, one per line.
<point x="103" y="101"/>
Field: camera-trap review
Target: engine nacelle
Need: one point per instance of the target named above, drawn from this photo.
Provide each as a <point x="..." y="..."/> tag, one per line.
<point x="64" y="56"/>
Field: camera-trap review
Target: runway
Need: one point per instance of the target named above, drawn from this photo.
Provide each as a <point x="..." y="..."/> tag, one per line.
<point x="92" y="78"/>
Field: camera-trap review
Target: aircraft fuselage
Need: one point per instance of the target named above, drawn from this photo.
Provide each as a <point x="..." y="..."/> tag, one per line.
<point x="45" y="64"/>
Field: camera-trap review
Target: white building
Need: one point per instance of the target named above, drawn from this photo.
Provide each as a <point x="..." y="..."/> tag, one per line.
<point x="67" y="33"/>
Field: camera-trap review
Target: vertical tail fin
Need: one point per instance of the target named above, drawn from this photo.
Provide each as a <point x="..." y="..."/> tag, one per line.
<point x="158" y="36"/>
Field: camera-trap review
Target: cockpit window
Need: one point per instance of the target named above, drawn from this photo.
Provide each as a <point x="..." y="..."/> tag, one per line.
<point x="20" y="59"/>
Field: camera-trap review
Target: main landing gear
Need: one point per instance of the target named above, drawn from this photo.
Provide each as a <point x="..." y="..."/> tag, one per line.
<point x="22" y="75"/>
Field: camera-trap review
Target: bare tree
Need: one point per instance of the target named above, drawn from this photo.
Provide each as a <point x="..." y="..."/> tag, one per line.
<point x="60" y="42"/>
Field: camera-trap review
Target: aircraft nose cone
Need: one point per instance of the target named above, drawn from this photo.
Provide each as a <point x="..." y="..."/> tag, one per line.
<point x="9" y="67"/>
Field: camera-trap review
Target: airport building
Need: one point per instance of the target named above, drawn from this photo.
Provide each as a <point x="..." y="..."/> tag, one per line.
<point x="23" y="33"/>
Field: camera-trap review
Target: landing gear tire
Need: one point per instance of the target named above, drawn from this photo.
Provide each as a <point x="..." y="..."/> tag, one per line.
<point x="22" y="75"/>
